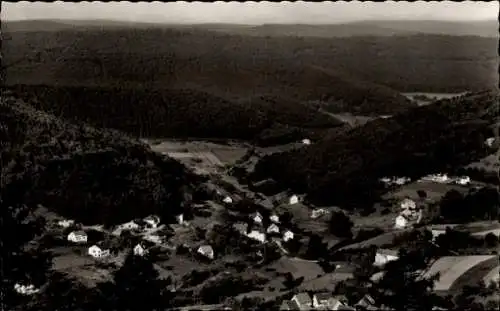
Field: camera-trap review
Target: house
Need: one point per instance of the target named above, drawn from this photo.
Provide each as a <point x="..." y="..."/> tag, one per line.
<point x="66" y="223"/>
<point x="227" y="200"/>
<point x="273" y="228"/>
<point x="78" y="237"/>
<point x="401" y="181"/>
<point x="408" y="204"/>
<point x="383" y="256"/>
<point x="153" y="238"/>
<point x="139" y="250"/>
<point x="317" y="213"/>
<point x="180" y="219"/>
<point x="366" y="303"/>
<point x="207" y="251"/>
<point x="302" y="301"/>
<point x="25" y="289"/>
<point x="257" y="235"/>
<point x="275" y="219"/>
<point x="490" y="141"/>
<point x="97" y="252"/>
<point x="288" y="235"/>
<point x="438" y="178"/>
<point x="294" y="199"/>
<point x="152" y="221"/>
<point x="131" y="225"/>
<point x="386" y="180"/>
<point x="400" y="222"/>
<point x="325" y="301"/>
<point x="306" y="141"/>
<point x="257" y="218"/>
<point x="463" y="180"/>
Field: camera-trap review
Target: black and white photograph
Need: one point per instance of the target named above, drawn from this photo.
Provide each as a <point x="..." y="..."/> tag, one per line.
<point x="175" y="156"/>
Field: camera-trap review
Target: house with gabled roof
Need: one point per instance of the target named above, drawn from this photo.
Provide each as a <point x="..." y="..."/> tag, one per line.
<point x="325" y="301"/>
<point x="302" y="301"/>
<point x="384" y="256"/>
<point x="79" y="236"/>
<point x="152" y="221"/>
<point x="366" y="303"/>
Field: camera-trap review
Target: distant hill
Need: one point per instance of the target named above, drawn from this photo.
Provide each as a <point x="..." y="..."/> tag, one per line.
<point x="483" y="28"/>
<point x="148" y="112"/>
<point x="345" y="167"/>
<point x="92" y="175"/>
<point x="237" y="66"/>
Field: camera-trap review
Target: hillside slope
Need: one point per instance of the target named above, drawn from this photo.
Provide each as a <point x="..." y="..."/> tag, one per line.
<point x="345" y="167"/>
<point x="149" y="112"/>
<point x="91" y="175"/>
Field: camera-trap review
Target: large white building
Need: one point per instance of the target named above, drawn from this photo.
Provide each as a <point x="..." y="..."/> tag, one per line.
<point x="97" y="252"/>
<point x="78" y="237"/>
<point x="384" y="256"/>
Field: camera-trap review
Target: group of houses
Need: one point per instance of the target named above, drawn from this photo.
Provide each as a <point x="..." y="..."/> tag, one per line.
<point x="326" y="301"/>
<point x="445" y="179"/>
<point x="409" y="214"/>
<point x="100" y="250"/>
<point x="258" y="232"/>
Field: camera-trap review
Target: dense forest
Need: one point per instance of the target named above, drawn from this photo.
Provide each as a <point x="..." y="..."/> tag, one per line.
<point x="92" y="175"/>
<point x="232" y="65"/>
<point x="346" y="166"/>
<point x="149" y="112"/>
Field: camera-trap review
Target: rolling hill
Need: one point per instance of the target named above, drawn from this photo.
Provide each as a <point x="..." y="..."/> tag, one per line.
<point x="345" y="167"/>
<point x="92" y="175"/>
<point x="244" y="66"/>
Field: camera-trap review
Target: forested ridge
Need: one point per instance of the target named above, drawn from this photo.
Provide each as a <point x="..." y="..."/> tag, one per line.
<point x="346" y="166"/>
<point x="88" y="174"/>
<point x="148" y="112"/>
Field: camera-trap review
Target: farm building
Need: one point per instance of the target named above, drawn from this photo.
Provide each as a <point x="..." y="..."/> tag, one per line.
<point x="294" y="199"/>
<point x="78" y="237"/>
<point x="257" y="218"/>
<point x="400" y="222"/>
<point x="131" y="225"/>
<point x="257" y="235"/>
<point x="438" y="178"/>
<point x="366" y="303"/>
<point x="325" y="301"/>
<point x="408" y="204"/>
<point x="383" y="256"/>
<point x="319" y="212"/>
<point x="306" y="141"/>
<point x="458" y="271"/>
<point x="180" y="219"/>
<point x="97" y="252"/>
<point x="65" y="223"/>
<point x="227" y="200"/>
<point x="207" y="251"/>
<point x="274" y="218"/>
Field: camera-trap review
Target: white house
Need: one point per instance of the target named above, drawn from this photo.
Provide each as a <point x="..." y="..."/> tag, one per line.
<point x="78" y="237"/>
<point x="383" y="256"/>
<point x="97" y="252"/>
<point x="139" y="250"/>
<point x="66" y="223"/>
<point x="439" y="178"/>
<point x="207" y="251"/>
<point x="180" y="219"/>
<point x="257" y="218"/>
<point x="302" y="301"/>
<point x="275" y="219"/>
<point x="490" y="141"/>
<point x="294" y="199"/>
<point x="273" y="228"/>
<point x="227" y="200"/>
<point x="131" y="225"/>
<point x="257" y="235"/>
<point x="25" y="289"/>
<point x="463" y="180"/>
<point x="408" y="204"/>
<point x="152" y="221"/>
<point x="401" y="180"/>
<point x="306" y="141"/>
<point x="400" y="222"/>
<point x="325" y="301"/>
<point x="288" y="235"/>
<point x="318" y="213"/>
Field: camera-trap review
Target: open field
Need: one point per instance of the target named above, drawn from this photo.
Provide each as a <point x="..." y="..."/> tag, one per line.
<point x="435" y="191"/>
<point x="451" y="268"/>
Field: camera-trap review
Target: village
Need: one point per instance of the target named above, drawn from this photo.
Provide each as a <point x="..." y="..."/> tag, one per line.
<point x="273" y="234"/>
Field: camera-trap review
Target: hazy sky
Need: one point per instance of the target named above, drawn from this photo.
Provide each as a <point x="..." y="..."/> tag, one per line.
<point x="251" y="12"/>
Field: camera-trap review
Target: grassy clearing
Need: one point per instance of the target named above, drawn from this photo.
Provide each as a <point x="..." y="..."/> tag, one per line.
<point x="435" y="191"/>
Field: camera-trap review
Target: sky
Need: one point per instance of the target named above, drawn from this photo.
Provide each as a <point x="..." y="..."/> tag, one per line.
<point x="252" y="12"/>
